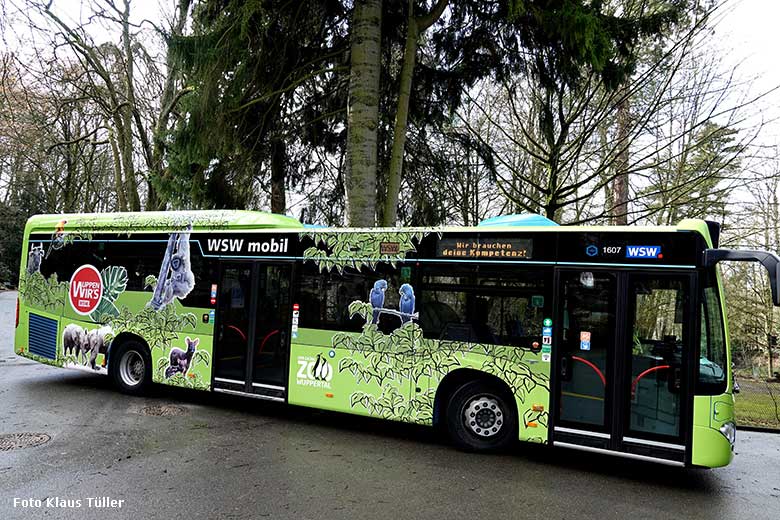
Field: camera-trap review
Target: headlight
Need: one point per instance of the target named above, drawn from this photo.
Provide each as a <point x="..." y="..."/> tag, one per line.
<point x="729" y="430"/>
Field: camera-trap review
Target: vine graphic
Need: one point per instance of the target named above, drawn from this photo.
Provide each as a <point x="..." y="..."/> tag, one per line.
<point x="360" y="248"/>
<point x="405" y="357"/>
<point x="158" y="328"/>
<point x="44" y="293"/>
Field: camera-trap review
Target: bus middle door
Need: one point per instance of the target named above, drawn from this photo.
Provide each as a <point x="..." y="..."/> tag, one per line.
<point x="252" y="329"/>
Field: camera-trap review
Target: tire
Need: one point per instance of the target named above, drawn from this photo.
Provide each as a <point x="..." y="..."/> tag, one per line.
<point x="131" y="367"/>
<point x="481" y="417"/>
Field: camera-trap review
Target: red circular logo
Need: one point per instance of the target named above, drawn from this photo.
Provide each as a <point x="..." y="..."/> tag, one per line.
<point x="86" y="289"/>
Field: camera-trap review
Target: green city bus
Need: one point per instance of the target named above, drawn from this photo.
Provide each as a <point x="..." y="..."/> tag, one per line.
<point x="606" y="339"/>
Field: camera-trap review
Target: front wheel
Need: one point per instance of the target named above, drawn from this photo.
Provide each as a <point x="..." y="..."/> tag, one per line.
<point x="131" y="368"/>
<point x="480" y="417"/>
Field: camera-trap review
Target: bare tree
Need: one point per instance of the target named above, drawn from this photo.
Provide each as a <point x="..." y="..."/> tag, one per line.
<point x="559" y="150"/>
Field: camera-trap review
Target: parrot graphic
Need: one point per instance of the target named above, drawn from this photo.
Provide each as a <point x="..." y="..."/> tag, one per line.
<point x="57" y="238"/>
<point x="406" y="303"/>
<point x="377" y="298"/>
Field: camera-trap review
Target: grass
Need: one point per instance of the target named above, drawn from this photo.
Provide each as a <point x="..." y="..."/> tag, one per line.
<point x="758" y="404"/>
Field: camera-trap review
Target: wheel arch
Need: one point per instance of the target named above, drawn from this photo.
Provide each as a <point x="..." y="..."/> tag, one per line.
<point x="458" y="378"/>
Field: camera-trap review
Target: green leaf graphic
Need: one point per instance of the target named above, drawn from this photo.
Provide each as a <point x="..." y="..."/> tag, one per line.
<point x="114" y="282"/>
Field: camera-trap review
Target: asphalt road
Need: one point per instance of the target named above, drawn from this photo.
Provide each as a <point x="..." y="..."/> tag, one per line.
<point x="236" y="458"/>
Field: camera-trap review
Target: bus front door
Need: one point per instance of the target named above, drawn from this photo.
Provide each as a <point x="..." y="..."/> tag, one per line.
<point x="621" y="361"/>
<point x="252" y="324"/>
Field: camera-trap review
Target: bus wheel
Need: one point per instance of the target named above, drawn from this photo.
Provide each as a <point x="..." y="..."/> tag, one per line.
<point x="480" y="417"/>
<point x="131" y="367"/>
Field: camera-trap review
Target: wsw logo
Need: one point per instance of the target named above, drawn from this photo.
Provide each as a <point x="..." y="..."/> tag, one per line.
<point x="314" y="371"/>
<point x="643" y="252"/>
<point x="86" y="289"/>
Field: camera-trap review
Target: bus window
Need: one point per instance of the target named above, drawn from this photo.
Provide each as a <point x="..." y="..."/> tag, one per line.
<point x="712" y="360"/>
<point x="63" y="262"/>
<point x="588" y="317"/>
<point x="324" y="297"/>
<point x="477" y="305"/>
<point x="657" y="354"/>
<point x="443" y="315"/>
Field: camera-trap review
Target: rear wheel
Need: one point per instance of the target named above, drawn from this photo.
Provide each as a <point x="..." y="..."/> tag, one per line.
<point x="131" y="367"/>
<point x="481" y="417"/>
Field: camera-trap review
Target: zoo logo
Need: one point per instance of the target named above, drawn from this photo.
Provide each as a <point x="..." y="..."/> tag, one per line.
<point x="315" y="372"/>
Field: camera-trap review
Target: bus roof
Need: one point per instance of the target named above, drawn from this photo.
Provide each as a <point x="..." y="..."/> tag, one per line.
<point x="248" y="220"/>
<point x="694" y="225"/>
<point x="160" y="220"/>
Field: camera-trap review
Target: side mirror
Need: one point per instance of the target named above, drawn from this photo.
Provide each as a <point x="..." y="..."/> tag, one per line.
<point x="770" y="261"/>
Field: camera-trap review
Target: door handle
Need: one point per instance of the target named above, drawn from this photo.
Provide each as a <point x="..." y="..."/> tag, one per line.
<point x="675" y="379"/>
<point x="565" y="368"/>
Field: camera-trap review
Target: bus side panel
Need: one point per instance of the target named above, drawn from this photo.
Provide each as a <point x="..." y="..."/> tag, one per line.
<point x="397" y="376"/>
<point x="325" y="373"/>
<point x="173" y="321"/>
<point x="169" y="333"/>
<point x="395" y="372"/>
<point x="41" y="300"/>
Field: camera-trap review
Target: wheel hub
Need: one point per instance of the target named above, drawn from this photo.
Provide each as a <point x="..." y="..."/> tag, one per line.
<point x="131" y="368"/>
<point x="483" y="416"/>
<point x="138" y="369"/>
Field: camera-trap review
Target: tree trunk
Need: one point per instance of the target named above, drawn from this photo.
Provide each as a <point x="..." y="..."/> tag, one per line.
<point x="134" y="200"/>
<point x="68" y="195"/>
<point x="278" y="176"/>
<point x="620" y="184"/>
<point x="416" y="26"/>
<point x="401" y="118"/>
<point x="119" y="186"/>
<point x="153" y="202"/>
<point x="363" y="112"/>
<point x="609" y="201"/>
<point x="168" y="101"/>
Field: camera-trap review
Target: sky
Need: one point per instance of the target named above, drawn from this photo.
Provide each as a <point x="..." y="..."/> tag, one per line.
<point x="749" y="34"/>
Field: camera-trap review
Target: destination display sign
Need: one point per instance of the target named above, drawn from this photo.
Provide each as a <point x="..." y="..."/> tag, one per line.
<point x="485" y="248"/>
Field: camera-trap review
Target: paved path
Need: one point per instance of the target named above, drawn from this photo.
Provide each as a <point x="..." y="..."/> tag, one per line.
<point x="233" y="458"/>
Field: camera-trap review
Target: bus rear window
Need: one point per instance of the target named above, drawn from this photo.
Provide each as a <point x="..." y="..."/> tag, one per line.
<point x="712" y="360"/>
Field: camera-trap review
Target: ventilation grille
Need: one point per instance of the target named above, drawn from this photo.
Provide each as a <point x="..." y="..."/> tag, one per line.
<point x="42" y="337"/>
